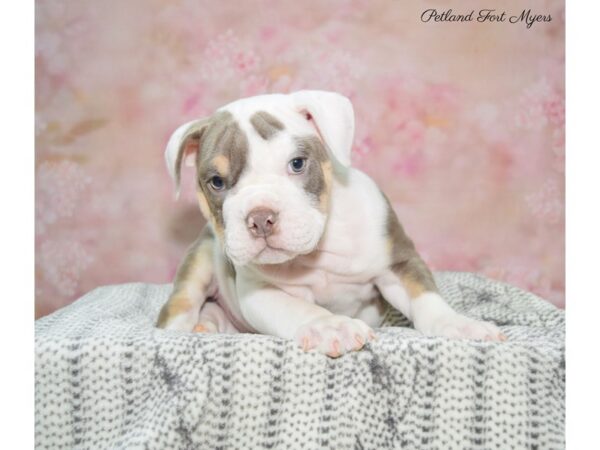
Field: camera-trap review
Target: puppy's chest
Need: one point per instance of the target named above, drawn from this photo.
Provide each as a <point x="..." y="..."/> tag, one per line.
<point x="337" y="293"/>
<point x="340" y="283"/>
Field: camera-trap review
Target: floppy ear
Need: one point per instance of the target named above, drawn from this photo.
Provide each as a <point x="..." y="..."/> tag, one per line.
<point x="333" y="117"/>
<point x="183" y="144"/>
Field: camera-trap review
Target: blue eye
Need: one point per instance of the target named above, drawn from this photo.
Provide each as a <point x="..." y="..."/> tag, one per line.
<point x="217" y="183"/>
<point x="297" y="165"/>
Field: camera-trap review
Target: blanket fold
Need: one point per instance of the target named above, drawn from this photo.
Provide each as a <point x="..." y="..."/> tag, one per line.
<point x="107" y="378"/>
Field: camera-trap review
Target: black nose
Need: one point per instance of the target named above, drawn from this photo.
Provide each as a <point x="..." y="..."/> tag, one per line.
<point x="261" y="222"/>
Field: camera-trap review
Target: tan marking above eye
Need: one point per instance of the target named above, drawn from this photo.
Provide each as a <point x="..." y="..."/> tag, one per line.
<point x="224" y="148"/>
<point x="221" y="163"/>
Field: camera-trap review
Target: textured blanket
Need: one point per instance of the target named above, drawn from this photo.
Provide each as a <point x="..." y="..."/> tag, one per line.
<point x="106" y="378"/>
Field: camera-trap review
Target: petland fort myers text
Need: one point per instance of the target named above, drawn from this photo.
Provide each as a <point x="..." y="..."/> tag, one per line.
<point x="526" y="17"/>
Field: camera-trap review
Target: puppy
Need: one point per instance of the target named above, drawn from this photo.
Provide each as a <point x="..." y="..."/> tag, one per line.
<point x="299" y="244"/>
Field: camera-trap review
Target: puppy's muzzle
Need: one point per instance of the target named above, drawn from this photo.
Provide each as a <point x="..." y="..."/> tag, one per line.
<point x="261" y="222"/>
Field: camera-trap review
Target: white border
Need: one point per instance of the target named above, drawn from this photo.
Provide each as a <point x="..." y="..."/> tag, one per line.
<point x="17" y="237"/>
<point x="583" y="225"/>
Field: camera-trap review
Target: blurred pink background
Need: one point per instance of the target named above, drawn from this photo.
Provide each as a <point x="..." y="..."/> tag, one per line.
<point x="461" y="124"/>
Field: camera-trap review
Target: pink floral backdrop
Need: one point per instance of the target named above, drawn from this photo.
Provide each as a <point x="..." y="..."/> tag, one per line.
<point x="462" y="124"/>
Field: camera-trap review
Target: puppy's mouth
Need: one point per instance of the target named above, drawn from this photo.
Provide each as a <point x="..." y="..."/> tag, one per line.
<point x="270" y="247"/>
<point x="270" y="253"/>
<point x="267" y="238"/>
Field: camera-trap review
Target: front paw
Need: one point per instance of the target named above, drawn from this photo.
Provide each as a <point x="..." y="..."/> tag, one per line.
<point x="334" y="335"/>
<point x="457" y="326"/>
<point x="178" y="314"/>
<point x="206" y="327"/>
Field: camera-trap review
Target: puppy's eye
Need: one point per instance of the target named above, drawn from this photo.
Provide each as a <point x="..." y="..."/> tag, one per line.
<point x="297" y="165"/>
<point x="217" y="183"/>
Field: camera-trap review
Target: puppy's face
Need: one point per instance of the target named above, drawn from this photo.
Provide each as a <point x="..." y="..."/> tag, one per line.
<point x="264" y="173"/>
<point x="264" y="187"/>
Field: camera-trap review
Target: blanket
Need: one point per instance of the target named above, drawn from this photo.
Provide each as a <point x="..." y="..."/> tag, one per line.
<point x="107" y="378"/>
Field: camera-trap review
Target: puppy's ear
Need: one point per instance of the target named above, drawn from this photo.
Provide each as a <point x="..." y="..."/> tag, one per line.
<point x="333" y="117"/>
<point x="183" y="144"/>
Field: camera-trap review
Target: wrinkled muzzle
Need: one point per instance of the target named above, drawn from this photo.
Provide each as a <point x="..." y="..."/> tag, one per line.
<point x="271" y="223"/>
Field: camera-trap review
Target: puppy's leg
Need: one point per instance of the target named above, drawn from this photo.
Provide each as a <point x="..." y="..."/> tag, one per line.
<point x="272" y="311"/>
<point x="194" y="282"/>
<point x="213" y="319"/>
<point x="409" y="286"/>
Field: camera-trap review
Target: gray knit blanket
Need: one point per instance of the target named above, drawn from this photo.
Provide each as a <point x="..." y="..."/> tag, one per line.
<point x="106" y="378"/>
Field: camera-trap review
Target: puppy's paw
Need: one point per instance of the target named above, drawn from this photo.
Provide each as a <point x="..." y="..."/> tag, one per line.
<point x="334" y="335"/>
<point x="206" y="327"/>
<point x="180" y="322"/>
<point x="178" y="314"/>
<point x="457" y="326"/>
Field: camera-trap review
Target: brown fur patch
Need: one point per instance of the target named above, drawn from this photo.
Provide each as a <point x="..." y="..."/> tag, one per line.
<point x="177" y="304"/>
<point x="222" y="140"/>
<point x="311" y="146"/>
<point x="317" y="175"/>
<point x="207" y="213"/>
<point x="197" y="263"/>
<point x="413" y="287"/>
<point x="193" y="278"/>
<point x="405" y="261"/>
<point x="190" y="143"/>
<point x="265" y="124"/>
<point x="204" y="206"/>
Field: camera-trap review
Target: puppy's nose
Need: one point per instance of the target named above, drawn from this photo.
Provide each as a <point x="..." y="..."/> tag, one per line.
<point x="261" y="222"/>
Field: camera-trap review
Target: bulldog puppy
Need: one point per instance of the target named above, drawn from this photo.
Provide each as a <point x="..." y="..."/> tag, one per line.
<point x="299" y="244"/>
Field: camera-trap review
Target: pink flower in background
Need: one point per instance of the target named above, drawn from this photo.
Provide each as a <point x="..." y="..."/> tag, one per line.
<point x="488" y="120"/>
<point x="540" y="105"/>
<point x="60" y="186"/>
<point x="61" y="264"/>
<point x="226" y="56"/>
<point x="253" y="85"/>
<point x="546" y="202"/>
<point x="409" y="165"/>
<point x="352" y="9"/>
<point x="554" y="107"/>
<point x="62" y="34"/>
<point x="363" y="147"/>
<point x="558" y="149"/>
<point x="332" y="70"/>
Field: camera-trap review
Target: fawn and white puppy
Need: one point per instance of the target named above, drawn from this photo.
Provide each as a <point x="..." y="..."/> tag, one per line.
<point x="299" y="244"/>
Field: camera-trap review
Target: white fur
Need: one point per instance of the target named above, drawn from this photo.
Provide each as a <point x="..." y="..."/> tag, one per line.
<point x="433" y="316"/>
<point x="172" y="150"/>
<point x="335" y="280"/>
<point x="214" y="319"/>
<point x="334" y="118"/>
<point x="318" y="280"/>
<point x="300" y="224"/>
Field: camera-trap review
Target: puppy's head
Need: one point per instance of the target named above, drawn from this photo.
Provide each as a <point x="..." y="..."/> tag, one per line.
<point x="264" y="167"/>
